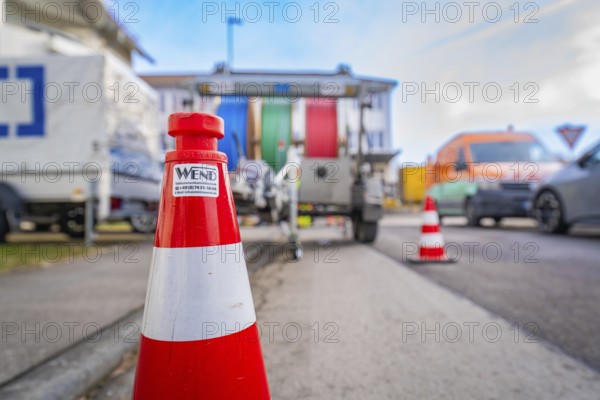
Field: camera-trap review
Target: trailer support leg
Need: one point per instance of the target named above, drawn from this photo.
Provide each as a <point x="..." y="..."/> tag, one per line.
<point x="89" y="215"/>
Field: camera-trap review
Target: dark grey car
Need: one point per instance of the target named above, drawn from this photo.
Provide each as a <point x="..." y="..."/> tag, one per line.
<point x="570" y="196"/>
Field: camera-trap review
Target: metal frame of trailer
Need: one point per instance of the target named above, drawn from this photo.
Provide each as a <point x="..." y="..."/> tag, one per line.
<point x="363" y="201"/>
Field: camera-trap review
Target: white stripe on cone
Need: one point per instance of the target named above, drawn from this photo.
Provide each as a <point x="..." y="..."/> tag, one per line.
<point x="198" y="293"/>
<point x="432" y="240"/>
<point x="430" y="218"/>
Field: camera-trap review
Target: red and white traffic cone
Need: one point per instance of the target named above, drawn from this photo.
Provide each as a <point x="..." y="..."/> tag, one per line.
<point x="431" y="247"/>
<point x="199" y="338"/>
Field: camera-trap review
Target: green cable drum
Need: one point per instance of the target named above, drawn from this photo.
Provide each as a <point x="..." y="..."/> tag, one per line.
<point x="276" y="131"/>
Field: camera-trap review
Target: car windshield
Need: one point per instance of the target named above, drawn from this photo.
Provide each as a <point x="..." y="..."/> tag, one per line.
<point x="510" y="151"/>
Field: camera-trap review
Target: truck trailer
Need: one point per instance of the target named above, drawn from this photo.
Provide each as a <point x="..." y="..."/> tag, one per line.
<point x="76" y="132"/>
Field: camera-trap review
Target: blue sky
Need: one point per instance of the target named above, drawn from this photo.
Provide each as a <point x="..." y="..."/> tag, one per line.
<point x="554" y="57"/>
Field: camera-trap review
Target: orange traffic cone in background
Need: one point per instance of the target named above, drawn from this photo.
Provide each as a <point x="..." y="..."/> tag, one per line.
<point x="199" y="337"/>
<point x="431" y="246"/>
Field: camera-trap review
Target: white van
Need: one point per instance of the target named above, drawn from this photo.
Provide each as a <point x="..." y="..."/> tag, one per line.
<point x="75" y="128"/>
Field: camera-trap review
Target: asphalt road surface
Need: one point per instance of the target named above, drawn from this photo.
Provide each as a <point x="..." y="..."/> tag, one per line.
<point x="349" y="322"/>
<point x="353" y="321"/>
<point x="549" y="286"/>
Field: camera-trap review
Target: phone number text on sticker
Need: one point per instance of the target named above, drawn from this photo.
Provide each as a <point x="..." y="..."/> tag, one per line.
<point x="199" y="180"/>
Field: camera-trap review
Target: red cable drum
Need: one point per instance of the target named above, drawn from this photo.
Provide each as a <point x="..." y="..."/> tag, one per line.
<point x="321" y="128"/>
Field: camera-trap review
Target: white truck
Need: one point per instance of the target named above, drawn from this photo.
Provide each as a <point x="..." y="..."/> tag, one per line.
<point x="76" y="130"/>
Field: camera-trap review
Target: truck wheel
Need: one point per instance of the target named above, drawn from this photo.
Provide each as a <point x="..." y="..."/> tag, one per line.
<point x="73" y="222"/>
<point x="549" y="215"/>
<point x="472" y="214"/>
<point x="4" y="228"/>
<point x="144" y="223"/>
<point x="364" y="232"/>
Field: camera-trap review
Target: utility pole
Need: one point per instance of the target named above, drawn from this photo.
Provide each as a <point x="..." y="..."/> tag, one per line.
<point x="231" y="21"/>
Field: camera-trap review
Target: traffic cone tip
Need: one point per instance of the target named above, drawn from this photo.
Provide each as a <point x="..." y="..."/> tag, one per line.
<point x="196" y="123"/>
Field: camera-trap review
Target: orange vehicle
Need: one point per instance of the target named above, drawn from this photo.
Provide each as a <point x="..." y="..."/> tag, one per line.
<point x="488" y="174"/>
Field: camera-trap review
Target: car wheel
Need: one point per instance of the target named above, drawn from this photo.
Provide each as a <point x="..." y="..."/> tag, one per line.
<point x="144" y="223"/>
<point x="472" y="214"/>
<point x="73" y="222"/>
<point x="4" y="228"/>
<point x="548" y="213"/>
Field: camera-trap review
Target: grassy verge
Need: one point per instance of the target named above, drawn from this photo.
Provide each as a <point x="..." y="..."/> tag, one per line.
<point x="17" y="255"/>
<point x="114" y="227"/>
<point x="46" y="249"/>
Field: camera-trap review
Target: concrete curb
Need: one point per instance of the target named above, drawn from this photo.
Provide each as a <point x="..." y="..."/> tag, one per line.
<point x="75" y="371"/>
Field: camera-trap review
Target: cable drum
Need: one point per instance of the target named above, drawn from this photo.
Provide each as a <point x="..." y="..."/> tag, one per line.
<point x="234" y="111"/>
<point x="276" y="131"/>
<point x="321" y="128"/>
